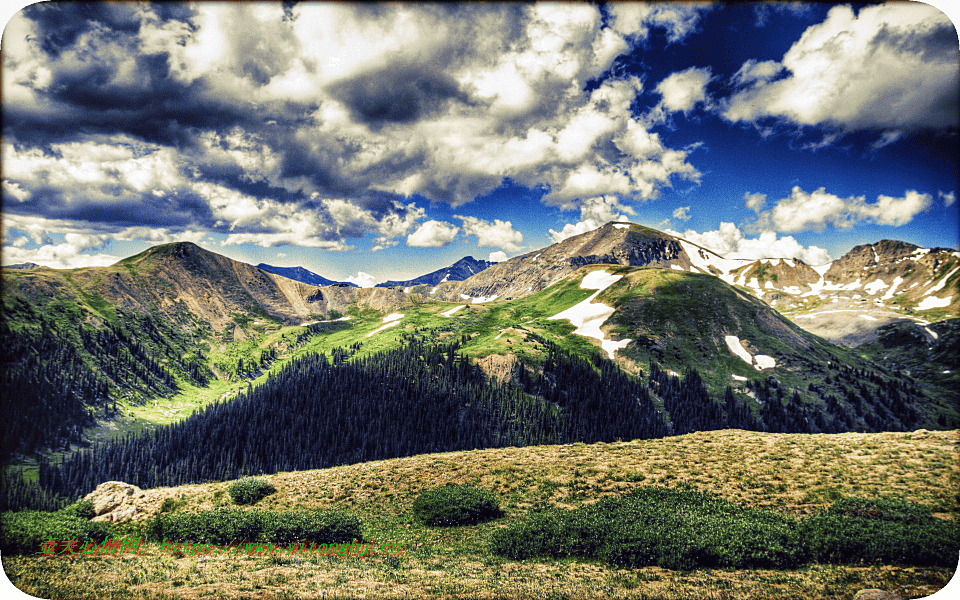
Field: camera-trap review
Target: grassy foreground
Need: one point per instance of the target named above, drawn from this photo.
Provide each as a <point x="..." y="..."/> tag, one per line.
<point x="794" y="474"/>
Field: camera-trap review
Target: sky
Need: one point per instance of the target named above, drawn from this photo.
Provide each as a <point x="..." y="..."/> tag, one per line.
<point x="368" y="142"/>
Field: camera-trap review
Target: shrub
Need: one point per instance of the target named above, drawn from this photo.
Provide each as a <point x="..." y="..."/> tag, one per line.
<point x="676" y="529"/>
<point x="24" y="532"/>
<point x="455" y="504"/>
<point x="250" y="490"/>
<point x="226" y="525"/>
<point x="82" y="509"/>
<point x="887" y="531"/>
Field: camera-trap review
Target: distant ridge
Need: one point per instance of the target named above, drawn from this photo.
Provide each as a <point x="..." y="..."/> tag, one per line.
<point x="302" y="275"/>
<point x="467" y="266"/>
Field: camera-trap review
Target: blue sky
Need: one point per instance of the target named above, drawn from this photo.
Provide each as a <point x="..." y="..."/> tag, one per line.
<point x="370" y="142"/>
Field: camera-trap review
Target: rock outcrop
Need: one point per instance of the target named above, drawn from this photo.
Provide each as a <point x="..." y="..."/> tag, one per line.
<point x="115" y="501"/>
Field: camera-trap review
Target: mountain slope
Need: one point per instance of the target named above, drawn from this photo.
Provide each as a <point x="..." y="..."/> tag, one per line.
<point x="302" y="275"/>
<point x="458" y="271"/>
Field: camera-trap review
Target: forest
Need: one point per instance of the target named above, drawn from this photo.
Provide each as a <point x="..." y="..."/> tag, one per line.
<point x="425" y="396"/>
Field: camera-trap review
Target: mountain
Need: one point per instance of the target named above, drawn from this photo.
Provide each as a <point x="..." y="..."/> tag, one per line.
<point x="23" y="266"/>
<point x="97" y="342"/>
<point x="458" y="271"/>
<point x="302" y="275"/>
<point x="613" y="244"/>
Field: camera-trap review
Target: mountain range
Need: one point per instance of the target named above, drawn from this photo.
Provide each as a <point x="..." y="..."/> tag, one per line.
<point x="867" y="342"/>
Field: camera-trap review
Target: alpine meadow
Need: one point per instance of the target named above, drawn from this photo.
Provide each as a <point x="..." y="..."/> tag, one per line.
<point x="480" y="300"/>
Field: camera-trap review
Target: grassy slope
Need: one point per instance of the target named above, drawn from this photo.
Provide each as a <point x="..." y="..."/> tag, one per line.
<point x="683" y="313"/>
<point x="794" y="474"/>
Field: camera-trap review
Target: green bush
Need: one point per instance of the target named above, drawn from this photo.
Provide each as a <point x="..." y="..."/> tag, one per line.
<point x="82" y="509"/>
<point x="887" y="531"/>
<point x="24" y="532"/>
<point x="684" y="529"/>
<point x="250" y="490"/>
<point x="227" y="525"/>
<point x="455" y="504"/>
<point x="676" y="529"/>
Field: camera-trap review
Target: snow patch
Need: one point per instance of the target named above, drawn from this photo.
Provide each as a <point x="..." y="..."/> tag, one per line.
<point x="482" y="299"/>
<point x="406" y="290"/>
<point x="758" y="362"/>
<point x="464" y="297"/>
<point x="736" y="377"/>
<point x="932" y="333"/>
<point x="934" y="302"/>
<point x="449" y="313"/>
<point x="943" y="282"/>
<point x="893" y="288"/>
<point x="868" y="317"/>
<point x="874" y="286"/>
<point x="433" y="291"/>
<point x="588" y="317"/>
<point x="676" y="267"/>
<point x="389" y="320"/>
<point x="618" y="226"/>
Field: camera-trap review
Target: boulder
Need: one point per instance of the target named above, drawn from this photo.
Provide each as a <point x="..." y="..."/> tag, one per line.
<point x="114" y="501"/>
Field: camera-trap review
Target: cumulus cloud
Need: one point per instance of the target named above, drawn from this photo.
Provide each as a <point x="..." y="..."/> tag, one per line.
<point x="433" y="234"/>
<point x="594" y="213"/>
<point x="815" y="211"/>
<point x="500" y="234"/>
<point x="498" y="256"/>
<point x="682" y="91"/>
<point x="311" y="124"/>
<point x="364" y="280"/>
<point x="891" y="67"/>
<point x="637" y="18"/>
<point x="682" y="213"/>
<point x="729" y="241"/>
<point x="948" y="198"/>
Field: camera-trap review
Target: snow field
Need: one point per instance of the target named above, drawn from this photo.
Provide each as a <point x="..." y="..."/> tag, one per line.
<point x="588" y="317"/>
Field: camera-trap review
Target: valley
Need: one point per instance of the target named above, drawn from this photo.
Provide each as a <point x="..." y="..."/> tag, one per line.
<point x="212" y="327"/>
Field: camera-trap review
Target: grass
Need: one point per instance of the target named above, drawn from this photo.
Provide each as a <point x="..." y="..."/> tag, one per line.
<point x="795" y="475"/>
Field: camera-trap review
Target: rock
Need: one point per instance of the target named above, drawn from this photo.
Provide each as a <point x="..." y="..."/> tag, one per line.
<point x="114" y="501"/>
<point x="872" y="594"/>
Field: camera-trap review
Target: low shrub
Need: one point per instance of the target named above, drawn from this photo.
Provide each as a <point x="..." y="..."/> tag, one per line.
<point x="82" y="509"/>
<point x="250" y="490"/>
<point x="24" y="532"/>
<point x="676" y="529"/>
<point x="454" y="504"/>
<point x="685" y="529"/>
<point x="887" y="531"/>
<point x="226" y="525"/>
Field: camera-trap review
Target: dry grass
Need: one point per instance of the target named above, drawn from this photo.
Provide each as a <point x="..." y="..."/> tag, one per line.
<point x="794" y="474"/>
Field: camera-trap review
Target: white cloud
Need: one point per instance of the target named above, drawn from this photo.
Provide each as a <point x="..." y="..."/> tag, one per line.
<point x="499" y="233"/>
<point x="757" y="71"/>
<point x="948" y="198"/>
<point x="364" y="280"/>
<point x="755" y="202"/>
<point x="433" y="234"/>
<point x="682" y="213"/>
<point x="728" y="241"/>
<point x="498" y="256"/>
<point x="595" y="212"/>
<point x="814" y="211"/>
<point x="892" y="67"/>
<point x="683" y="90"/>
<point x="637" y="18"/>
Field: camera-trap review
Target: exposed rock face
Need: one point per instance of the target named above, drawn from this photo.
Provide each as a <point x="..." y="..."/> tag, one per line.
<point x="501" y="367"/>
<point x="614" y="244"/>
<point x="115" y="501"/>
